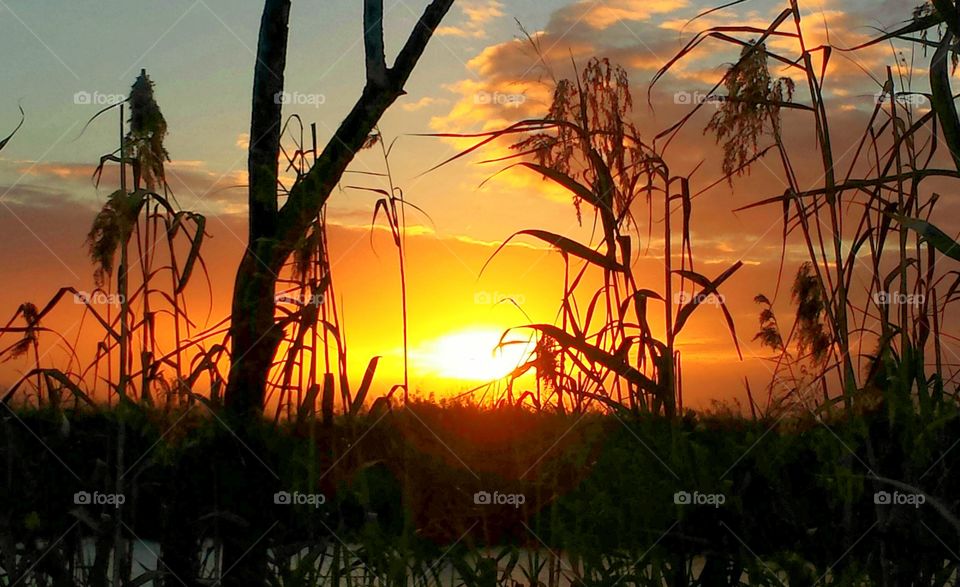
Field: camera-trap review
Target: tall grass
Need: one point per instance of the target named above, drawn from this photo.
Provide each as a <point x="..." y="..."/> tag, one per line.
<point x="314" y="344"/>
<point x="137" y="243"/>
<point x="587" y="144"/>
<point x="866" y="229"/>
<point x="137" y="237"/>
<point x="873" y="294"/>
<point x="606" y="352"/>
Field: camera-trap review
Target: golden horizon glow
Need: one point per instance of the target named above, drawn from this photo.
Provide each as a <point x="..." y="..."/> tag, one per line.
<point x="471" y="354"/>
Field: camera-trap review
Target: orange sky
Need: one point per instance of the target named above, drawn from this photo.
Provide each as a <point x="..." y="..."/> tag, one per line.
<point x="476" y="76"/>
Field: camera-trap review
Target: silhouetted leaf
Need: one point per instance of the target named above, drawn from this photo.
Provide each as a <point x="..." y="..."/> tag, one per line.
<point x="566" y="246"/>
<point x="364" y="386"/>
<point x="933" y="235"/>
<point x="596" y="355"/>
<point x="4" y="142"/>
<point x="942" y="98"/>
<point x="709" y="287"/>
<point x="195" y="243"/>
<point x="578" y="189"/>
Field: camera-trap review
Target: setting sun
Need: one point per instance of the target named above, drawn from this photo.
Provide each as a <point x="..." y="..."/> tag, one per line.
<point x="472" y="355"/>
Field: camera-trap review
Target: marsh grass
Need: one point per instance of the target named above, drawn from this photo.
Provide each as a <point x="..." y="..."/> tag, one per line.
<point x="606" y="353"/>
<point x="867" y="232"/>
<point x="137" y="296"/>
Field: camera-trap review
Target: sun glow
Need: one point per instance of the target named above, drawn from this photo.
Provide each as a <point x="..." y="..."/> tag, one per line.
<point x="472" y="355"/>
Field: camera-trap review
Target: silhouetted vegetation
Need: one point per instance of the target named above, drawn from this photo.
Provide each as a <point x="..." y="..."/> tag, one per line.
<point x="399" y="508"/>
<point x="151" y="463"/>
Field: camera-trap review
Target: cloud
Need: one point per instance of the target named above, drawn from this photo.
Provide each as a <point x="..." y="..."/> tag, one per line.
<point x="853" y="76"/>
<point x="513" y="80"/>
<point x="602" y="15"/>
<point x="642" y="44"/>
<point x="424" y="102"/>
<point x="477" y="15"/>
<point x="37" y="197"/>
<point x="194" y="185"/>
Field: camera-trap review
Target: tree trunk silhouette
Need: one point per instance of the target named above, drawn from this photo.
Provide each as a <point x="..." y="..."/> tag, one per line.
<point x="275" y="230"/>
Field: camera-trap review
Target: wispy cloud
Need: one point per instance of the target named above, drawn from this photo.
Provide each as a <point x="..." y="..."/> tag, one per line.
<point x="193" y="182"/>
<point x="424" y="102"/>
<point x="602" y="15"/>
<point x="477" y="15"/>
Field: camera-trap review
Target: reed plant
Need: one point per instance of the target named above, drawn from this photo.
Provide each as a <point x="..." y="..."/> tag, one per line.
<point x="866" y="229"/>
<point x="602" y="350"/>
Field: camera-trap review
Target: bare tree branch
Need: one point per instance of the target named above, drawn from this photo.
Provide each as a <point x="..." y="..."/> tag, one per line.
<point x="417" y="42"/>
<point x="373" y="42"/>
<point x="265" y="119"/>
<point x="308" y="195"/>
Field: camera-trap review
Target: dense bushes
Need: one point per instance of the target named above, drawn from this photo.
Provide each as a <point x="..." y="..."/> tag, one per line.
<point x="598" y="492"/>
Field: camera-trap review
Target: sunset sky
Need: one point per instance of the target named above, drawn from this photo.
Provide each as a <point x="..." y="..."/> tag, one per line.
<point x="477" y="74"/>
